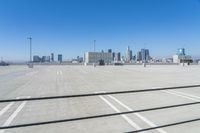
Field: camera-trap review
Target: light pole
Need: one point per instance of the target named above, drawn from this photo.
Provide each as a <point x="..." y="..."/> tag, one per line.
<point x="30" y="64"/>
<point x="30" y="48"/>
<point x="94" y="45"/>
<point x="94" y="52"/>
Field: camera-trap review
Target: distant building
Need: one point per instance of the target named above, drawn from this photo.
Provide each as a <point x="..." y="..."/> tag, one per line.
<point x="181" y="57"/>
<point x="60" y="57"/>
<point x="36" y="58"/>
<point x="131" y="55"/>
<point x="197" y="61"/>
<point x="167" y="60"/>
<point x="45" y="58"/>
<point x="3" y="63"/>
<point x="181" y="51"/>
<point x="109" y="50"/>
<point x="134" y="57"/>
<point x="113" y="56"/>
<point x="79" y="59"/>
<point x="95" y="57"/>
<point x="122" y="58"/>
<point x="128" y="54"/>
<point x="139" y="56"/>
<point x="145" y="55"/>
<point x="117" y="57"/>
<point x="52" y="57"/>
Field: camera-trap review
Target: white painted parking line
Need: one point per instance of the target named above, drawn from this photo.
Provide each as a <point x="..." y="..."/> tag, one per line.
<point x="13" y="115"/>
<point x="6" y="108"/>
<point x="186" y="94"/>
<point x="123" y="116"/>
<point x="59" y="72"/>
<point x="180" y="95"/>
<point x="150" y="123"/>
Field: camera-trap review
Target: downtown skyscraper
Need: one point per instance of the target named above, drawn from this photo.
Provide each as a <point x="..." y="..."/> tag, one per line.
<point x="128" y="54"/>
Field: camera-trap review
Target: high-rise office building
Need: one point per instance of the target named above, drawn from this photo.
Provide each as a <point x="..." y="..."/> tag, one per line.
<point x="145" y="55"/>
<point x="60" y="57"/>
<point x="109" y="50"/>
<point x="52" y="57"/>
<point x="131" y="55"/>
<point x="117" y="56"/>
<point x="128" y="54"/>
<point x="113" y="56"/>
<point x="139" y="56"/>
<point x="181" y="51"/>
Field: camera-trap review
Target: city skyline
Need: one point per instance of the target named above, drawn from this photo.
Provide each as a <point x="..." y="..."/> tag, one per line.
<point x="69" y="27"/>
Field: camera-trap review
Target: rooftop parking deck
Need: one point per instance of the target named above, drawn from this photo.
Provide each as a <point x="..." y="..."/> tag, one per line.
<point x="46" y="81"/>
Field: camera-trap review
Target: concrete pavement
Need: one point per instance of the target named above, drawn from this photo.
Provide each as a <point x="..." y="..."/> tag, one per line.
<point x="20" y="81"/>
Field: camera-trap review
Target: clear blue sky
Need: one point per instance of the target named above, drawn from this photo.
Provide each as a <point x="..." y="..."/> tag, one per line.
<point x="70" y="26"/>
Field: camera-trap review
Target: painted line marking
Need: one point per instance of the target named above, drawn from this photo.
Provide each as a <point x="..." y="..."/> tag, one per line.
<point x="186" y="94"/>
<point x="180" y="95"/>
<point x="6" y="108"/>
<point x="150" y="123"/>
<point x="123" y="116"/>
<point x="59" y="72"/>
<point x="14" y="114"/>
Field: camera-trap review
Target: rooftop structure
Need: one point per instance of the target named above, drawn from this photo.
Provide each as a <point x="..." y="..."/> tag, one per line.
<point x="95" y="57"/>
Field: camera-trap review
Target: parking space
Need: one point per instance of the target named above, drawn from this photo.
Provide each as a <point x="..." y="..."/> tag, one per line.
<point x="70" y="80"/>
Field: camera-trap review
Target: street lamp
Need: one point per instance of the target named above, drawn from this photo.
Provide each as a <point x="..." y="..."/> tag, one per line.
<point x="30" y="63"/>
<point x="30" y="48"/>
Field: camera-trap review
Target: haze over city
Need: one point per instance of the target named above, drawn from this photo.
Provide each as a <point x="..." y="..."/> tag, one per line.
<point x="69" y="27"/>
<point x="99" y="66"/>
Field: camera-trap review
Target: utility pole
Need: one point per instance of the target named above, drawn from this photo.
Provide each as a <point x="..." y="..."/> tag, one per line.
<point x="30" y="48"/>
